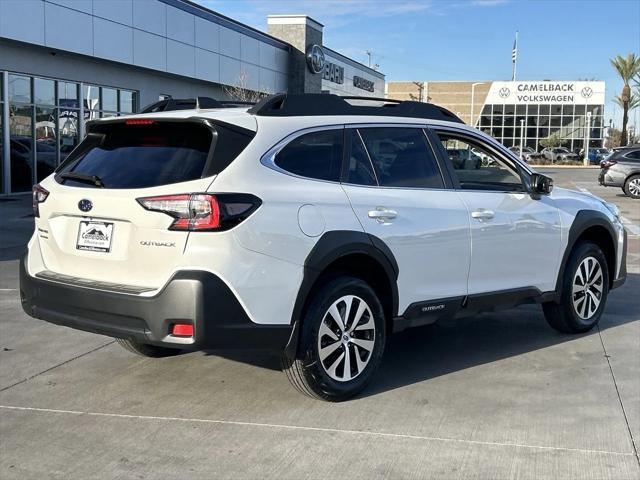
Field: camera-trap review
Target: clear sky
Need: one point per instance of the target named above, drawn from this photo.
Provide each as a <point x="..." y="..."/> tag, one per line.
<point x="470" y="39"/>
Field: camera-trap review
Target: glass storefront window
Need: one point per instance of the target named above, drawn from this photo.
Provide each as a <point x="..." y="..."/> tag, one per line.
<point x="21" y="147"/>
<point x="19" y="89"/>
<point x="44" y="123"/>
<point x="109" y="99"/>
<point x="46" y="142"/>
<point x="126" y="101"/>
<point x="44" y="91"/>
<point x="91" y="99"/>
<point x="580" y="110"/>
<point x="68" y="94"/>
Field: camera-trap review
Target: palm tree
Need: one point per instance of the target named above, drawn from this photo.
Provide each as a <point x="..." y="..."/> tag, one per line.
<point x="634" y="101"/>
<point x="627" y="67"/>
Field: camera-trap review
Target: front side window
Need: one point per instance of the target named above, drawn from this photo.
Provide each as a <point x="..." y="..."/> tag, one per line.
<point x="315" y="155"/>
<point x="401" y="157"/>
<point x="477" y="167"/>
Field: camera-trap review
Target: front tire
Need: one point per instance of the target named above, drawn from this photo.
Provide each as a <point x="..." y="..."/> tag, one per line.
<point x="341" y="342"/>
<point x="584" y="291"/>
<point x="145" y="350"/>
<point x="632" y="186"/>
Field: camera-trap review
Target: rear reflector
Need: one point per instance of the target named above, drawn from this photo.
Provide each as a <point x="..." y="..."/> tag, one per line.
<point x="203" y="211"/>
<point x="140" y="121"/>
<point x="182" y="330"/>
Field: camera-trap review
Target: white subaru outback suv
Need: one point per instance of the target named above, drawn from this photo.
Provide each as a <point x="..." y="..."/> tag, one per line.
<point x="310" y="225"/>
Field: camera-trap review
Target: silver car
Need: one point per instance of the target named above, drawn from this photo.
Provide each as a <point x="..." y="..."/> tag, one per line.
<point x="559" y="154"/>
<point x="622" y="169"/>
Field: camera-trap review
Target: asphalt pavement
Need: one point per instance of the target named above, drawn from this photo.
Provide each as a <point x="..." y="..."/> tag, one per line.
<point x="499" y="395"/>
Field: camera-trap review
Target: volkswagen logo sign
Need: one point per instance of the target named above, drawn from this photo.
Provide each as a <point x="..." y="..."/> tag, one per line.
<point x="586" y="92"/>
<point x="85" y="205"/>
<point x="315" y="58"/>
<point x="504" y="92"/>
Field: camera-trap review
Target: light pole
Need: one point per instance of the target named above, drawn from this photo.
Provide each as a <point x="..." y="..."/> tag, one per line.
<point x="521" y="135"/>
<point x="473" y="92"/>
<point x="586" y="140"/>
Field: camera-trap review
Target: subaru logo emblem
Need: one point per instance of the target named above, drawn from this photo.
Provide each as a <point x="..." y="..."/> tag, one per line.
<point x="315" y="58"/>
<point x="85" y="205"/>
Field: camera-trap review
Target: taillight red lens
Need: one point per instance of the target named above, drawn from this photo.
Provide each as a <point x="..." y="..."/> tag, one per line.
<point x="40" y="194"/>
<point x="203" y="211"/>
<point x="608" y="163"/>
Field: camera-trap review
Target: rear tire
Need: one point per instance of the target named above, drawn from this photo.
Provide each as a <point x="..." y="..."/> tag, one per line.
<point x="584" y="291"/>
<point x="146" y="350"/>
<point x="341" y="341"/>
<point x="632" y="186"/>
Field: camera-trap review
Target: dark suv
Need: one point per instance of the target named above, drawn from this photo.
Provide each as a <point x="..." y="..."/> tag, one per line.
<point x="622" y="169"/>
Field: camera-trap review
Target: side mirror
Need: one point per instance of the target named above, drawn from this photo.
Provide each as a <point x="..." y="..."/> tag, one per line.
<point x="541" y="184"/>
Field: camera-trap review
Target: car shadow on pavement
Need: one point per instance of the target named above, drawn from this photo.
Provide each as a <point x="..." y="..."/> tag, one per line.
<point x="423" y="353"/>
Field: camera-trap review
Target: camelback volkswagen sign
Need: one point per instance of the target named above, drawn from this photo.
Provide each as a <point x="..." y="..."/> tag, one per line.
<point x="546" y="92"/>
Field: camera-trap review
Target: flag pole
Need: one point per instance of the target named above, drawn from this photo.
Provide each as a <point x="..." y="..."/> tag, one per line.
<point x="514" y="57"/>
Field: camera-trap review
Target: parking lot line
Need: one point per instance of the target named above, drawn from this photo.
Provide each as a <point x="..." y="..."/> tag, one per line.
<point x="313" y="429"/>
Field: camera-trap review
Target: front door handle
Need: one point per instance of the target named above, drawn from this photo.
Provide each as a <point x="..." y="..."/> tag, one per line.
<point x="483" y="214"/>
<point x="383" y="215"/>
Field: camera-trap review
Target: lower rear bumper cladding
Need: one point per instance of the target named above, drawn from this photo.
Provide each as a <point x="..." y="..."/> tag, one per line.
<point x="191" y="296"/>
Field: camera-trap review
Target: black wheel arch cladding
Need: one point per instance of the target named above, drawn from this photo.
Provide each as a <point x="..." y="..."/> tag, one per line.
<point x="583" y="221"/>
<point x="331" y="247"/>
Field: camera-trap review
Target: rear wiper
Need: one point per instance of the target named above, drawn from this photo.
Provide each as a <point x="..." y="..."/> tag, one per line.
<point x="81" y="177"/>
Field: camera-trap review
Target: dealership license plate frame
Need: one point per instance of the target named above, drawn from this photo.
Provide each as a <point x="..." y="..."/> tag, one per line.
<point x="95" y="244"/>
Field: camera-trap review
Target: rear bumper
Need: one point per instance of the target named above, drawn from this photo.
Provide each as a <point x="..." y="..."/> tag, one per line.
<point x="611" y="178"/>
<point x="191" y="296"/>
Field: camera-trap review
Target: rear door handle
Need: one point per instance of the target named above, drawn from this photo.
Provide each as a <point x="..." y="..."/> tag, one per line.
<point x="383" y="215"/>
<point x="483" y="214"/>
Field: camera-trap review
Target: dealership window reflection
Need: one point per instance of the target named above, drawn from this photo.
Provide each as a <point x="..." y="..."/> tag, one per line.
<point x="44" y="122"/>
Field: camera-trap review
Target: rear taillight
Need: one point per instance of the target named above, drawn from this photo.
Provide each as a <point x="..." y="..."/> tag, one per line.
<point x="608" y="163"/>
<point x="39" y="195"/>
<point x="203" y="211"/>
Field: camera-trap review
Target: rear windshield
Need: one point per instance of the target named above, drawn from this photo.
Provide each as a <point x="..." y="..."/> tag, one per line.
<point x="139" y="156"/>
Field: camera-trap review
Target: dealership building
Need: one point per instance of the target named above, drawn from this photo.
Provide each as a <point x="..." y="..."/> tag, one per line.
<point x="63" y="62"/>
<point x="511" y="111"/>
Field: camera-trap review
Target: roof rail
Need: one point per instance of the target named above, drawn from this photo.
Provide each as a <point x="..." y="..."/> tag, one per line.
<point x="315" y="104"/>
<point x="198" y="103"/>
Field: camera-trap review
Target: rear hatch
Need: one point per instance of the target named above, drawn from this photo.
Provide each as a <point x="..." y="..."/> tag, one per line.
<point x="92" y="225"/>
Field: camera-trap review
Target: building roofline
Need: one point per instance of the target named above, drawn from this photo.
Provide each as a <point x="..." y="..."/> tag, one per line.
<point x="218" y="18"/>
<point x="354" y="63"/>
<point x="282" y="19"/>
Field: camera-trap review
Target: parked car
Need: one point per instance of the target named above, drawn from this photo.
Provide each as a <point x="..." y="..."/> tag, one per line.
<point x="529" y="155"/>
<point x="559" y="154"/>
<point x="307" y="226"/>
<point x="622" y="169"/>
<point x="596" y="155"/>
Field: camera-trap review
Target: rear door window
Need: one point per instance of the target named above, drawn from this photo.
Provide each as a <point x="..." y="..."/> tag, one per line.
<point x="147" y="155"/>
<point x="315" y="155"/>
<point x="402" y="157"/>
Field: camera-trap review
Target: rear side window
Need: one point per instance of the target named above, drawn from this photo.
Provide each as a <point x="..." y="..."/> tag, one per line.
<point x="149" y="155"/>
<point x="314" y="155"/>
<point x="635" y="155"/>
<point x="402" y="157"/>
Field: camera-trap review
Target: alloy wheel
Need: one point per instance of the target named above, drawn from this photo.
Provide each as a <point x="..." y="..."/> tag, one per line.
<point x="346" y="338"/>
<point x="634" y="187"/>
<point x="588" y="284"/>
